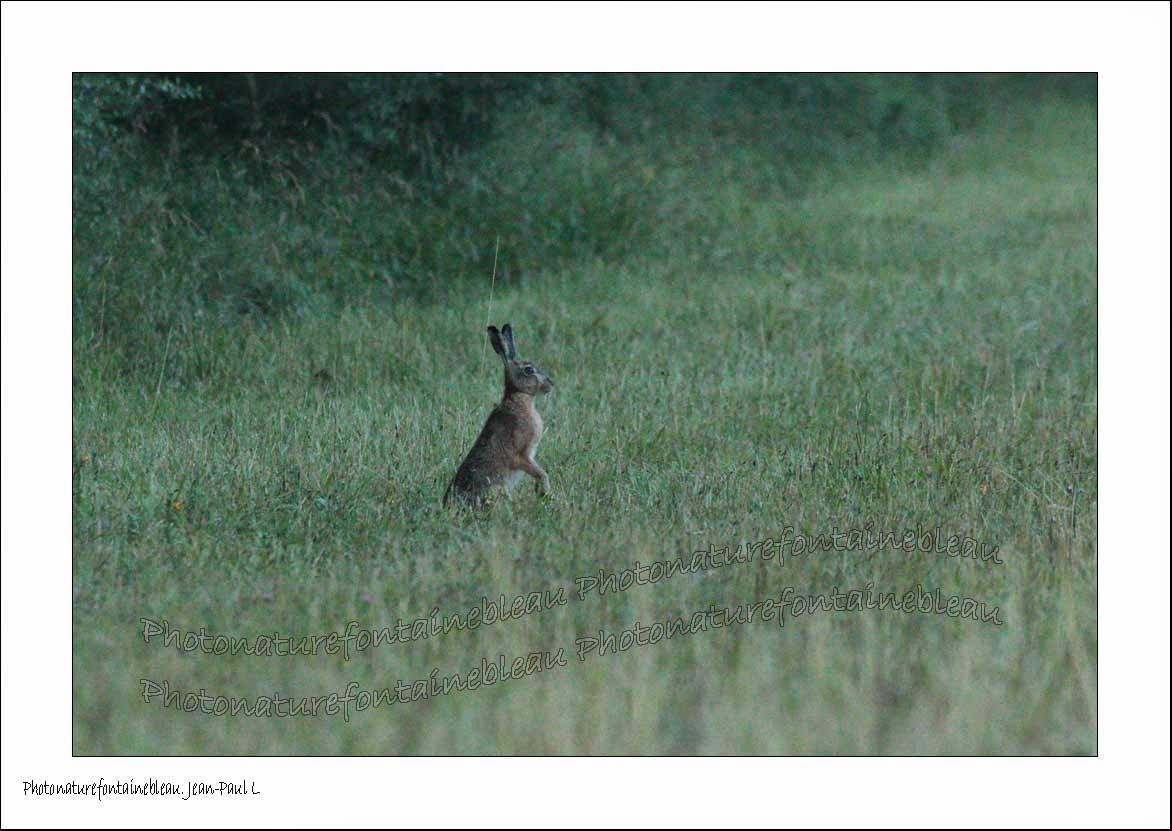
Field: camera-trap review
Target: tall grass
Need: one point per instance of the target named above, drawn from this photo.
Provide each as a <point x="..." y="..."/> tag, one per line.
<point x="268" y="403"/>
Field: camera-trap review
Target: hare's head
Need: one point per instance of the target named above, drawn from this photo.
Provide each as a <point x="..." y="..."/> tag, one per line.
<point x="520" y="376"/>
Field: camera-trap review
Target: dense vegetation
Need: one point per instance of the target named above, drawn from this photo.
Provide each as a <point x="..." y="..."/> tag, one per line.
<point x="200" y="200"/>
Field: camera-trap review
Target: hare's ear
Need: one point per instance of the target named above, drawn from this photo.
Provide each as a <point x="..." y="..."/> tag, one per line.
<point x="498" y="345"/>
<point x="507" y="333"/>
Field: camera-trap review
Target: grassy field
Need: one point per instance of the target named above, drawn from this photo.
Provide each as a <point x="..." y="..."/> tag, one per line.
<point x="890" y="348"/>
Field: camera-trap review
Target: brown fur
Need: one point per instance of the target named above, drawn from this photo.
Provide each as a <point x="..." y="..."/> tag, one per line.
<point x="506" y="447"/>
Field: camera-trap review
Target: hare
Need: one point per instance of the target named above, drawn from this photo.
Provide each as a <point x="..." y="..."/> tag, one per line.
<point x="504" y="450"/>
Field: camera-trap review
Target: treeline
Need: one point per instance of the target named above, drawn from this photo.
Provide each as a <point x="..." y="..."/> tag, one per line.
<point x="199" y="199"/>
<point x="417" y="121"/>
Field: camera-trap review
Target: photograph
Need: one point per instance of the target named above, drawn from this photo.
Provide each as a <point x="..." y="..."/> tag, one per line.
<point x="584" y="414"/>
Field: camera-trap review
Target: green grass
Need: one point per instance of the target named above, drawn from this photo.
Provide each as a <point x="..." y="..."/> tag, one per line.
<point x="891" y="346"/>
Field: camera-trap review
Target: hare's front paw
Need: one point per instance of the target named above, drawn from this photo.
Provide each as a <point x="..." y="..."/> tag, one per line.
<point x="543" y="488"/>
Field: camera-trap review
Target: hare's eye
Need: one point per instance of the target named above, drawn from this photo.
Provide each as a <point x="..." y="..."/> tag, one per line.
<point x="530" y="370"/>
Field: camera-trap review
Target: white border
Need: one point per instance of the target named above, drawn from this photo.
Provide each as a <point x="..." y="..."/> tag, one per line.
<point x="1126" y="42"/>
